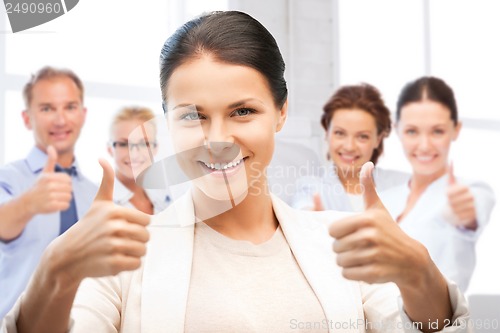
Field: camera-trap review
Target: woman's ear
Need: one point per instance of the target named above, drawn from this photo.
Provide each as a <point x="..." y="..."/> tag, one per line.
<point x="381" y="137"/>
<point x="283" y="113"/>
<point x="457" y="129"/>
<point x="110" y="150"/>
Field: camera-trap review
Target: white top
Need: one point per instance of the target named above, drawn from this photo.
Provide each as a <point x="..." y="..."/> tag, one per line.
<point x="232" y="281"/>
<point x="451" y="248"/>
<point x="333" y="194"/>
<point x="159" y="198"/>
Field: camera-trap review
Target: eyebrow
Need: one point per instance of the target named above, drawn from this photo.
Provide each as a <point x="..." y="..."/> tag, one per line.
<point x="51" y="104"/>
<point x="230" y="106"/>
<point x="433" y="126"/>
<point x="242" y="102"/>
<point x="343" y="129"/>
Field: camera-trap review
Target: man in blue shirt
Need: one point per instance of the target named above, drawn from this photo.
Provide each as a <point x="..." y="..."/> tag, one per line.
<point x="38" y="201"/>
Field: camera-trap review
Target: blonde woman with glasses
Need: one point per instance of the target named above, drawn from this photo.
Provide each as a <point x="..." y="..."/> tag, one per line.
<point x="132" y="146"/>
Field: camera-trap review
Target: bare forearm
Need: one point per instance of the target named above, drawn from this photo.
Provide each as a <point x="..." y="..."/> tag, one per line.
<point x="428" y="301"/>
<point x="15" y="215"/>
<point x="46" y="305"/>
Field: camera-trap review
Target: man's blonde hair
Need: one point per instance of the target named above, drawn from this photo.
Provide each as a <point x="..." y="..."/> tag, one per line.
<point x="47" y="73"/>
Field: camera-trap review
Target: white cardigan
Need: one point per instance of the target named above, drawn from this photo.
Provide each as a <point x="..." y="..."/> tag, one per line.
<point x="153" y="298"/>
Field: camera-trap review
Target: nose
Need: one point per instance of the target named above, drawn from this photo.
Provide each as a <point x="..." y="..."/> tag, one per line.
<point x="134" y="148"/>
<point x="349" y="143"/>
<point x="60" y="117"/>
<point x="424" y="142"/>
<point x="218" y="137"/>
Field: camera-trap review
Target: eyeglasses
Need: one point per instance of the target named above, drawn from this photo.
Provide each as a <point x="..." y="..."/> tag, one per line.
<point x="128" y="145"/>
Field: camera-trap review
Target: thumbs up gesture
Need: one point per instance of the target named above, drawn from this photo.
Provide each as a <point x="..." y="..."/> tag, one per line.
<point x="109" y="239"/>
<point x="318" y="203"/>
<point x="461" y="202"/>
<point x="52" y="190"/>
<point x="370" y="246"/>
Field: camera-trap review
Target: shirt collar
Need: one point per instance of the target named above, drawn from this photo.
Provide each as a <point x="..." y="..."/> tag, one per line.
<point x="36" y="160"/>
<point x="121" y="194"/>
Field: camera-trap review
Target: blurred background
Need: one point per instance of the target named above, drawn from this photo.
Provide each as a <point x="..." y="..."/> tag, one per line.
<point x="114" y="47"/>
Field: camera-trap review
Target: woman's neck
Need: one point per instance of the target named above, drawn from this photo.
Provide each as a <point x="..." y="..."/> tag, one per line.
<point x="350" y="180"/>
<point x="420" y="182"/>
<point x="251" y="218"/>
<point x="129" y="183"/>
<point x="139" y="199"/>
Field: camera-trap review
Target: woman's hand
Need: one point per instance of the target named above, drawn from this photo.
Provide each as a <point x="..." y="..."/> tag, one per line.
<point x="371" y="247"/>
<point x="109" y="239"/>
<point x="106" y="241"/>
<point x="461" y="202"/>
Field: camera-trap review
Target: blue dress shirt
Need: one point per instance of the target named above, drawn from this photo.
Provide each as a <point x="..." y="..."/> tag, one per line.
<point x="19" y="257"/>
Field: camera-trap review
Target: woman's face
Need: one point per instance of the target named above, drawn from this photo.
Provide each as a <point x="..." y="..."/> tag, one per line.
<point x="129" y="148"/>
<point x="222" y="119"/>
<point x="352" y="137"/>
<point x="426" y="131"/>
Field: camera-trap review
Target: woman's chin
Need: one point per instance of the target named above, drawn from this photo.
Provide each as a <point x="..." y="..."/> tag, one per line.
<point x="233" y="191"/>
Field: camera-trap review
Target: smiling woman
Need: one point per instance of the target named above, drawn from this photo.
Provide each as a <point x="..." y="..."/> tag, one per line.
<point x="356" y="122"/>
<point x="133" y="145"/>
<point x="446" y="214"/>
<point x="256" y="266"/>
<point x="243" y="116"/>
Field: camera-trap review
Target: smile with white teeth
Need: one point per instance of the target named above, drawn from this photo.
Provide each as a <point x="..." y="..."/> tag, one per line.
<point x="425" y="158"/>
<point x="348" y="157"/>
<point x="222" y="166"/>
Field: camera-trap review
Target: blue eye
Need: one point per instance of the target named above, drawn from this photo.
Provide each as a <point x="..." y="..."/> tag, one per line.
<point x="243" y="112"/>
<point x="191" y="116"/>
<point x="411" y="132"/>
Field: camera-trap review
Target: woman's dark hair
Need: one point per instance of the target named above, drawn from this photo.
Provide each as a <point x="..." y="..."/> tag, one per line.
<point x="364" y="97"/>
<point x="428" y="88"/>
<point x="229" y="37"/>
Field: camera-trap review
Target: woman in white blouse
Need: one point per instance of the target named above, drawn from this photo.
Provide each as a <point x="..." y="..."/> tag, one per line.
<point x="356" y="122"/>
<point x="445" y="213"/>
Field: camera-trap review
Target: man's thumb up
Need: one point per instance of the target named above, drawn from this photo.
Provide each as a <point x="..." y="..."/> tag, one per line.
<point x="108" y="180"/>
<point x="50" y="165"/>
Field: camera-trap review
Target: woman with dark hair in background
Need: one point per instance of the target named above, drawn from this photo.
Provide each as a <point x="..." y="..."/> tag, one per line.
<point x="356" y="122"/>
<point x="229" y="256"/>
<point x="443" y="212"/>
